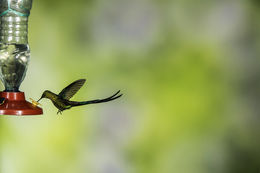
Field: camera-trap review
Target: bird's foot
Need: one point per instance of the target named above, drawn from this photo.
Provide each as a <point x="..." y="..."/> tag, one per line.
<point x="59" y="112"/>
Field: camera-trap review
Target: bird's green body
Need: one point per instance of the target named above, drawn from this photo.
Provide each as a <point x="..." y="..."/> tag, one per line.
<point x="58" y="102"/>
<point x="62" y="102"/>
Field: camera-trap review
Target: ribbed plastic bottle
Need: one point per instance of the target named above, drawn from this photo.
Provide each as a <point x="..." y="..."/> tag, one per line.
<point x="14" y="48"/>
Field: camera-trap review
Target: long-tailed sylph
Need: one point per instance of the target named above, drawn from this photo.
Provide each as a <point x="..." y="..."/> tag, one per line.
<point x="62" y="100"/>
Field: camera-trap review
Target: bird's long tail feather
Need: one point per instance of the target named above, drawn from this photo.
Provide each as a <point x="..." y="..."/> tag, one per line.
<point x="113" y="97"/>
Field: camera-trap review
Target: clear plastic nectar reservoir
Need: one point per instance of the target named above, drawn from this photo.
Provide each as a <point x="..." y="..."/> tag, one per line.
<point x="14" y="48"/>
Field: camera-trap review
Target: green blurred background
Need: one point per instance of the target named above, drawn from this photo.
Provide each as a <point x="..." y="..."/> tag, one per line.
<point x="189" y="72"/>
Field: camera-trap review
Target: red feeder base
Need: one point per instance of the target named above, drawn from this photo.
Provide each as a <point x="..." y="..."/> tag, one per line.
<point x="14" y="103"/>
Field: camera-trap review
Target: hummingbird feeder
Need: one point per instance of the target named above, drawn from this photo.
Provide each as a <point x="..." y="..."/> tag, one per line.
<point x="14" y="57"/>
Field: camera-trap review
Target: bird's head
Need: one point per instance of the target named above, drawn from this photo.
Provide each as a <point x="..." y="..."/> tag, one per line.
<point x="45" y="94"/>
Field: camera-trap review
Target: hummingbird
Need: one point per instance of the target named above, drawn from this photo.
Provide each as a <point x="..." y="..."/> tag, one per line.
<point x="62" y="100"/>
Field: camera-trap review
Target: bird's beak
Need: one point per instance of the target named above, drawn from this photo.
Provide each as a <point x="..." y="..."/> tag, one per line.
<point x="39" y="99"/>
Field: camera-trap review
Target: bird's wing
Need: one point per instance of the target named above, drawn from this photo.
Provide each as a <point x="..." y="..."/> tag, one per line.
<point x="71" y="89"/>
